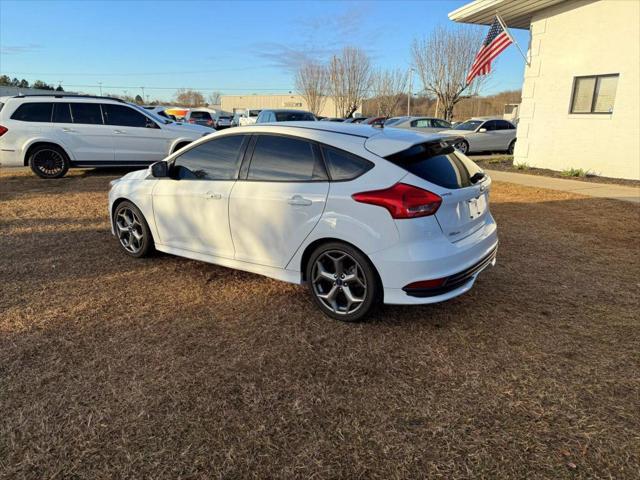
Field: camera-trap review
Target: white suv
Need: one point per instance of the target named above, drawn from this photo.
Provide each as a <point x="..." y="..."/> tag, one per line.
<point x="52" y="133"/>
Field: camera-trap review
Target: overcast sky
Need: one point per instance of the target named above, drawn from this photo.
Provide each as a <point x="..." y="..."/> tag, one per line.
<point x="238" y="47"/>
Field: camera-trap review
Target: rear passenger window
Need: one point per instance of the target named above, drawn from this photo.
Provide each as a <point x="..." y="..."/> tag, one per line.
<point x="200" y="116"/>
<point x="33" y="112"/>
<point x="343" y="165"/>
<point x="123" y="116"/>
<point x="62" y="113"/>
<point x="87" y="113"/>
<point x="285" y="159"/>
<point x="214" y="160"/>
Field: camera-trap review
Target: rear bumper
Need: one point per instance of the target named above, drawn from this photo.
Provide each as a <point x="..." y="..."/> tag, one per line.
<point x="436" y="257"/>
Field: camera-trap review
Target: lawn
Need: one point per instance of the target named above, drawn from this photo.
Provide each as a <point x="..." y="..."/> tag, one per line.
<point x="112" y="367"/>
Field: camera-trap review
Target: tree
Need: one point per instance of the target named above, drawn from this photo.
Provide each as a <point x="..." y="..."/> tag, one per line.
<point x="139" y="100"/>
<point x="215" y="98"/>
<point x="59" y="88"/>
<point x="189" y="98"/>
<point x="388" y="88"/>
<point x="311" y="83"/>
<point x="5" y="80"/>
<point x="39" y="84"/>
<point x="349" y="80"/>
<point x="443" y="60"/>
<point x="20" y="84"/>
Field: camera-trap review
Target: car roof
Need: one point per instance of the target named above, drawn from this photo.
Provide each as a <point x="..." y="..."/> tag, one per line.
<point x="379" y="141"/>
<point x="62" y="97"/>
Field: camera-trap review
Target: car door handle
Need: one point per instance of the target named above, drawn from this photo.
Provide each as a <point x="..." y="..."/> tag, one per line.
<point x="213" y="195"/>
<point x="68" y="130"/>
<point x="118" y="132"/>
<point x="299" y="201"/>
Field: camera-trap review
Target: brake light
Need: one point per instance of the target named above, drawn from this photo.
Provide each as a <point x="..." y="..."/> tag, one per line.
<point x="402" y="200"/>
<point x="3" y="130"/>
<point x="192" y="121"/>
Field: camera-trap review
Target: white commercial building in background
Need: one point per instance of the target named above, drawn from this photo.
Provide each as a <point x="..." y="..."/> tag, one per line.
<point x="234" y="103"/>
<point x="581" y="92"/>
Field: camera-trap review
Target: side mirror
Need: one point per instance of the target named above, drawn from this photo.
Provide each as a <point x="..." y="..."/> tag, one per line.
<point x="160" y="169"/>
<point x="482" y="130"/>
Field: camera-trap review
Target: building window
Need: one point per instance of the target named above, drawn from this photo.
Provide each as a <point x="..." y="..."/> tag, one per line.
<point x="594" y="94"/>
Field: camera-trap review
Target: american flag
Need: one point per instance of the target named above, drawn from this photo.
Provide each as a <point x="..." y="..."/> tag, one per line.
<point x="497" y="40"/>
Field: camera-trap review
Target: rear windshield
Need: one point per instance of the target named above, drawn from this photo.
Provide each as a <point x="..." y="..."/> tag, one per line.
<point x="438" y="163"/>
<point x="294" y="116"/>
<point x="200" y="115"/>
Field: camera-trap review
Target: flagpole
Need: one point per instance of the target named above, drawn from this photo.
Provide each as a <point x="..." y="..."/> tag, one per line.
<point x="506" y="29"/>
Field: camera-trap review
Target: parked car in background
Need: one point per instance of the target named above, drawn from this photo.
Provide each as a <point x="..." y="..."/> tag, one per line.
<point x="374" y="121"/>
<point x="359" y="214"/>
<point x="355" y="119"/>
<point x="282" y="115"/>
<point x="164" y="120"/>
<point x="249" y="117"/>
<point x="223" y="121"/>
<point x="202" y="116"/>
<point x="160" y="110"/>
<point x="484" y="134"/>
<point x="331" y="119"/>
<point x="421" y="124"/>
<point x="52" y="133"/>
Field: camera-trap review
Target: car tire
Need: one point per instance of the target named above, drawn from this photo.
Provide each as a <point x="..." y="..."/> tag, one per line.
<point x="132" y="230"/>
<point x="342" y="281"/>
<point x="512" y="146"/>
<point x="48" y="161"/>
<point x="462" y="146"/>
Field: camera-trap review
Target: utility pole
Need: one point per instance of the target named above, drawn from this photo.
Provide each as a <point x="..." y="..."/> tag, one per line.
<point x="142" y="93"/>
<point x="100" y="85"/>
<point x="410" y="90"/>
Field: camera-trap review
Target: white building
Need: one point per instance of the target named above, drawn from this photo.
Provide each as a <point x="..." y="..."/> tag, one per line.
<point x="581" y="92"/>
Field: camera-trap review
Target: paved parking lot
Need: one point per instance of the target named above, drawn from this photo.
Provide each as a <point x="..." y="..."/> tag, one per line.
<point x="167" y="368"/>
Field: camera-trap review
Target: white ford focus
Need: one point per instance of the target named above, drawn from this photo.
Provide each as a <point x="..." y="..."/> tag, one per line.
<point x="359" y="214"/>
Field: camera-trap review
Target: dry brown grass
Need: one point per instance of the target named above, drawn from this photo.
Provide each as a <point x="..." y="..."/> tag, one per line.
<point x="112" y="367"/>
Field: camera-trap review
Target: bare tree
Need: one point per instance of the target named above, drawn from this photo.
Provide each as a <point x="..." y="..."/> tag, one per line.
<point x="443" y="60"/>
<point x="215" y="98"/>
<point x="311" y="84"/>
<point x="388" y="87"/>
<point x="349" y="80"/>
<point x="189" y="98"/>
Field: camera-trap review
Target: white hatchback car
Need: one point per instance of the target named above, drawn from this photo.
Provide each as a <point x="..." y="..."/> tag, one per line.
<point x="360" y="214"/>
<point x="52" y="133"/>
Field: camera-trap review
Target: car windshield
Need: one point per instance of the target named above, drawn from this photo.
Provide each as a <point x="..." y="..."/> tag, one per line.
<point x="254" y="113"/>
<point x="293" y="116"/>
<point x="468" y="125"/>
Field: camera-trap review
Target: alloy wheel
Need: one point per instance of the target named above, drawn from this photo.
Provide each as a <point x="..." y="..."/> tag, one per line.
<point x="339" y="282"/>
<point x="48" y="162"/>
<point x="129" y="230"/>
<point x="461" y="146"/>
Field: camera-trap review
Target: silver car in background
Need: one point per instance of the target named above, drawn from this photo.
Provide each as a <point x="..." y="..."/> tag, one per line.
<point x="420" y="124"/>
<point x="482" y="134"/>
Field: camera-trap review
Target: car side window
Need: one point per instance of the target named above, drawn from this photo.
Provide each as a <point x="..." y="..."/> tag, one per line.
<point x="285" y="159"/>
<point x="343" y="165"/>
<point x="441" y="124"/>
<point x="490" y="125"/>
<point x="216" y="159"/>
<point x="62" y="113"/>
<point x="200" y="116"/>
<point x="86" y="113"/>
<point x="123" y="116"/>
<point x="33" y="112"/>
<point x="503" y="125"/>
<point x="422" y="123"/>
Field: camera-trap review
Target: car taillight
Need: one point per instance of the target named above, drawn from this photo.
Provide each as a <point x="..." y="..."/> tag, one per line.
<point x="192" y="121"/>
<point x="402" y="200"/>
<point x="209" y="122"/>
<point x="3" y="130"/>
